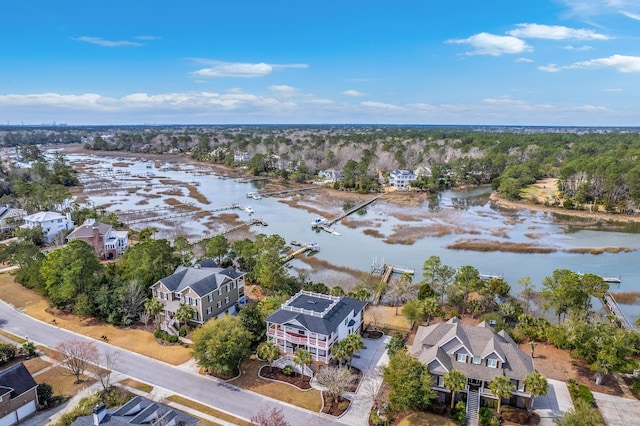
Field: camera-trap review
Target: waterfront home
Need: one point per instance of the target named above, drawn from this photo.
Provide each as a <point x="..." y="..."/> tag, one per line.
<point x="331" y="175"/>
<point x="9" y="216"/>
<point x="18" y="395"/>
<point x="52" y="223"/>
<point x="401" y="178"/>
<point x="107" y="243"/>
<point x="314" y="322"/>
<point x="210" y="290"/>
<point x="479" y="353"/>
<point x="241" y="157"/>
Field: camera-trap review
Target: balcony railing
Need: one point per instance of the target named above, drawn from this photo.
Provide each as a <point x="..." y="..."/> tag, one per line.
<point x="305" y="340"/>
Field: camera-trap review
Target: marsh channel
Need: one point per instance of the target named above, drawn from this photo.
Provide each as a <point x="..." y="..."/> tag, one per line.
<point x="462" y="227"/>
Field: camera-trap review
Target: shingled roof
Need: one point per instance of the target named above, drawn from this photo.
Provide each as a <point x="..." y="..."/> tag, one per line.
<point x="17" y="379"/>
<point x="317" y="313"/>
<point x="203" y="278"/>
<point x="480" y="341"/>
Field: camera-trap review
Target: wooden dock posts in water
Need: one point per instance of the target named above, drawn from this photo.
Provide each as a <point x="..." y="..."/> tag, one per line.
<point x="613" y="307"/>
<point x="305" y="247"/>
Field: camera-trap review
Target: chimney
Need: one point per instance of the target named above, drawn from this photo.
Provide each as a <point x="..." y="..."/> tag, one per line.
<point x="492" y="323"/>
<point x="99" y="413"/>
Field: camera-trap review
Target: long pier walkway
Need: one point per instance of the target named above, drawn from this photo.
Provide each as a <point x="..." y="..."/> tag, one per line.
<point x="386" y="270"/>
<point x="615" y="310"/>
<point x="352" y="210"/>
<point x="304" y="248"/>
<point x="128" y="186"/>
<point x="249" y="223"/>
<point x="288" y="191"/>
<point x="181" y="214"/>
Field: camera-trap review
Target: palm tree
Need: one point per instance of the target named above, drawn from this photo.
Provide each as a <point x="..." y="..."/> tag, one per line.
<point x="336" y="290"/>
<point x="340" y="351"/>
<point x="430" y="308"/>
<point x="269" y="351"/>
<point x="501" y="387"/>
<point x="455" y="381"/>
<point x="184" y="313"/>
<point x="353" y="344"/>
<point x="302" y="358"/>
<point x="153" y="307"/>
<point x="536" y="384"/>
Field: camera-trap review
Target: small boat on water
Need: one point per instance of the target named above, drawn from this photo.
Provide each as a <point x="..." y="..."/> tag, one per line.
<point x="319" y="221"/>
<point x="295" y="243"/>
<point x="247" y="209"/>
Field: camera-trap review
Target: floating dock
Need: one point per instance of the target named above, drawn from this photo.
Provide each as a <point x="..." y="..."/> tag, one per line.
<point x="311" y="247"/>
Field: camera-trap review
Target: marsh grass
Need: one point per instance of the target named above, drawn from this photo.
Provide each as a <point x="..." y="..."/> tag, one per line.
<point x="504" y="246"/>
<point x="373" y="233"/>
<point x="589" y="250"/>
<point x="627" y="297"/>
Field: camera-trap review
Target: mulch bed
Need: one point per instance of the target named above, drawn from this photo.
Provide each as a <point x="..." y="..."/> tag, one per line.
<point x="333" y="406"/>
<point x="295" y="379"/>
<point x="359" y="374"/>
<point x="372" y="334"/>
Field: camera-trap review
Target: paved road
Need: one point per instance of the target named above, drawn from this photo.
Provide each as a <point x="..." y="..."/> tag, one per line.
<point x="618" y="411"/>
<point x="222" y="396"/>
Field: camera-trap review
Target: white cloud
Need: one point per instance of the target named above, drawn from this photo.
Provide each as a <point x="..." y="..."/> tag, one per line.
<point x="491" y="44"/>
<point x="578" y="48"/>
<point x="242" y="69"/>
<point x="621" y="63"/>
<point x="613" y="89"/>
<point x="555" y="32"/>
<point x="549" y="68"/>
<point x="380" y="105"/>
<point x="107" y="43"/>
<point x="353" y="93"/>
<point x="527" y="60"/>
<point x="635" y="16"/>
<point x="283" y="89"/>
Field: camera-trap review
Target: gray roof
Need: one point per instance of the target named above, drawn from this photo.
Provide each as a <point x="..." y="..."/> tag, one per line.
<point x="139" y="411"/>
<point x="337" y="309"/>
<point x="203" y="278"/>
<point x="17" y="379"/>
<point x="480" y="340"/>
<point x="86" y="230"/>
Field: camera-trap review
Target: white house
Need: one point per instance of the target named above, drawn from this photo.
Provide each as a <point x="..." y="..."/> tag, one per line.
<point x="314" y="322"/>
<point x="51" y="223"/>
<point x="241" y="157"/>
<point x="401" y="178"/>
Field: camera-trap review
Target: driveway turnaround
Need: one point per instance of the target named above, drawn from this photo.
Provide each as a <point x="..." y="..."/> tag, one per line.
<point x="618" y="411"/>
<point x="222" y="396"/>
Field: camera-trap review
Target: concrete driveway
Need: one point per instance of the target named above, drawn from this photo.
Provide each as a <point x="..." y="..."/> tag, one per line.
<point x="556" y="402"/>
<point x="618" y="411"/>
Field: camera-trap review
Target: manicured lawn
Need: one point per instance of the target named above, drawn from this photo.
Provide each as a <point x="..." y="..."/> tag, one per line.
<point x="425" y="419"/>
<point x="62" y="382"/>
<point x="19" y="340"/>
<point x="137" y="385"/>
<point x="36" y="364"/>
<point x="386" y="318"/>
<point x="139" y="341"/>
<point x="207" y="410"/>
<point x="311" y="399"/>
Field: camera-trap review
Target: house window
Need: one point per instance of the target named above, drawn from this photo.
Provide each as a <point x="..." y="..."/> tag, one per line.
<point x="210" y="297"/>
<point x="520" y="386"/>
<point x="195" y="316"/>
<point x="219" y="305"/>
<point x="228" y="288"/>
<point x="209" y="310"/>
<point x="235" y="284"/>
<point x="219" y="292"/>
<point x="194" y="302"/>
<point x="492" y="363"/>
<point x="476" y="360"/>
<point x="440" y="382"/>
<point x="461" y="357"/>
<point x="226" y="300"/>
<point x="187" y="300"/>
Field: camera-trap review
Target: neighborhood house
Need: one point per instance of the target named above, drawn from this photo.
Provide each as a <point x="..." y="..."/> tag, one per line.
<point x="479" y="353"/>
<point x="209" y="289"/>
<point x="18" y="395"/>
<point x="51" y="223"/>
<point x="106" y="242"/>
<point x="401" y="178"/>
<point x="314" y="322"/>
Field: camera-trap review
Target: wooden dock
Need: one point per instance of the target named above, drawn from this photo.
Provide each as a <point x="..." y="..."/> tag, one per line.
<point x="181" y="214"/>
<point x="252" y="222"/>
<point x="287" y="191"/>
<point x="352" y="210"/>
<point x="127" y="187"/>
<point x="305" y="247"/>
<point x="611" y="303"/>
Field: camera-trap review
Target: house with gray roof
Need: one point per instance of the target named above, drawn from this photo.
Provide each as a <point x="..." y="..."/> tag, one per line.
<point x="208" y="288"/>
<point x="107" y="243"/>
<point x="479" y="353"/>
<point x="138" y="411"/>
<point x="18" y="394"/>
<point x="314" y="322"/>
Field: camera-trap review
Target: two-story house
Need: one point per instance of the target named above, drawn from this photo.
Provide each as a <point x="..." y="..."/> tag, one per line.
<point x="314" y="322"/>
<point x="18" y="394"/>
<point x="209" y="289"/>
<point x="401" y="178"/>
<point x="107" y="243"/>
<point x="10" y="216"/>
<point x="479" y="353"/>
<point x="52" y="223"/>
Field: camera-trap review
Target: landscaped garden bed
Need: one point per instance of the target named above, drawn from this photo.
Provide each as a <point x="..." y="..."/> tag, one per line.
<point x="372" y="334"/>
<point x="278" y="374"/>
<point x="335" y="406"/>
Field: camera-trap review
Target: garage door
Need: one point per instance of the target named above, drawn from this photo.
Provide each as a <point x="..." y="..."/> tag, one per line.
<point x="9" y="419"/>
<point x="25" y="410"/>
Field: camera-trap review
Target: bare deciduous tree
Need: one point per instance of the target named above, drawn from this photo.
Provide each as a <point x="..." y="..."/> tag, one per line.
<point x="269" y="416"/>
<point x="76" y="356"/>
<point x="336" y="380"/>
<point x="107" y="361"/>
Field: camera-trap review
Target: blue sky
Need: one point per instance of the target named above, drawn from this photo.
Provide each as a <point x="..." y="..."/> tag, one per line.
<point x="525" y="62"/>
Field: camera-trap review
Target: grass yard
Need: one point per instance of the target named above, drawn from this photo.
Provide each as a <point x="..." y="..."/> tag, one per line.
<point x="385" y="318"/>
<point x="19" y="340"/>
<point x="36" y="364"/>
<point x="137" y="385"/>
<point x="207" y="410"/>
<point x="139" y="341"/>
<point x="311" y="399"/>
<point x="425" y="419"/>
<point x="62" y="382"/>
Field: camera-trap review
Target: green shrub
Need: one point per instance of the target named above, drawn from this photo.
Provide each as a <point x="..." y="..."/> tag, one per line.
<point x="459" y="413"/>
<point x="379" y="420"/>
<point x="159" y="334"/>
<point x="634" y="383"/>
<point x="172" y="338"/>
<point x="288" y="370"/>
<point x="580" y="392"/>
<point x="7" y="352"/>
<point x="515" y="415"/>
<point x="183" y="331"/>
<point x="45" y="394"/>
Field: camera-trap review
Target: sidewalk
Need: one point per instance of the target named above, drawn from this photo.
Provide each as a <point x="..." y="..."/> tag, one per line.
<point x="556" y="402"/>
<point x="616" y="410"/>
